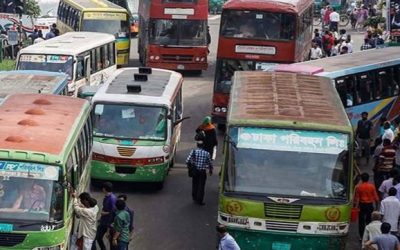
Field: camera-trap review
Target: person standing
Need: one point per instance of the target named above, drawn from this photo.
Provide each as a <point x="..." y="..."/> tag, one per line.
<point x="210" y="140"/>
<point x="39" y="38"/>
<point x="201" y="160"/>
<point x="328" y="42"/>
<point x="363" y="135"/>
<point x="387" y="131"/>
<point x="120" y="238"/>
<point x="334" y="19"/>
<point x="390" y="209"/>
<point x="326" y="20"/>
<point x="365" y="198"/>
<point x="226" y="242"/>
<point x="106" y="215"/>
<point x="387" y="184"/>
<point x="366" y="45"/>
<point x="316" y="52"/>
<point x="373" y="229"/>
<point x="385" y="163"/>
<point x="385" y="241"/>
<point x="34" y="35"/>
<point x="130" y="212"/>
<point x="86" y="211"/>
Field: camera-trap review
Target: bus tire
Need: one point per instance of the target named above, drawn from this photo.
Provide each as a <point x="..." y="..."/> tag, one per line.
<point x="159" y="185"/>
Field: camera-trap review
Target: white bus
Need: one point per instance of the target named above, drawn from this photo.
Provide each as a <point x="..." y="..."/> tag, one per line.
<point x="88" y="58"/>
<point x="137" y="124"/>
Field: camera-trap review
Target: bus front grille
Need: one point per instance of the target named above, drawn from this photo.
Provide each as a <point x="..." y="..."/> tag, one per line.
<point x="177" y="58"/>
<point x="282" y="211"/>
<point x="127" y="152"/>
<point x="281" y="226"/>
<point x="11" y="239"/>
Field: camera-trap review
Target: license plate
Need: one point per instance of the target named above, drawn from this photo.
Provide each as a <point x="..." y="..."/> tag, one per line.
<point x="6" y="227"/>
<point x="281" y="246"/>
<point x="180" y="66"/>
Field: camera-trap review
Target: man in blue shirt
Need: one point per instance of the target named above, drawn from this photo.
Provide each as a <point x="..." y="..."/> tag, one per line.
<point x="385" y="241"/>
<point x="201" y="159"/>
<point x="227" y="242"/>
<point x="107" y="215"/>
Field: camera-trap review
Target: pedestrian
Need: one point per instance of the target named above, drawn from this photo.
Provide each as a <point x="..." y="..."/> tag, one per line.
<point x="365" y="198"/>
<point x="362" y="15"/>
<point x="201" y="161"/>
<point x="39" y="38"/>
<point x="317" y="38"/>
<point x="396" y="146"/>
<point x="363" y="136"/>
<point x="385" y="241"/>
<point x="353" y="18"/>
<point x="366" y="45"/>
<point x="327" y="13"/>
<point x="387" y="184"/>
<point x="344" y="50"/>
<point x="385" y="163"/>
<point x="106" y="215"/>
<point x="390" y="210"/>
<point x="373" y="229"/>
<point x="388" y="131"/>
<point x="210" y="140"/>
<point x="226" y="241"/>
<point x="315" y="52"/>
<point x="334" y="19"/>
<point x="51" y="33"/>
<point x="34" y="35"/>
<point x="328" y="42"/>
<point x="371" y="10"/>
<point x="131" y="213"/>
<point x="85" y="226"/>
<point x="120" y="238"/>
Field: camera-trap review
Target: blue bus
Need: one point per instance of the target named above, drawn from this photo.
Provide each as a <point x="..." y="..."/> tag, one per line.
<point x="32" y="81"/>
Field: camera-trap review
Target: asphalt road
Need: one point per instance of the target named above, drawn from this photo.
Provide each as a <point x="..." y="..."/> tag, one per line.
<point x="168" y="219"/>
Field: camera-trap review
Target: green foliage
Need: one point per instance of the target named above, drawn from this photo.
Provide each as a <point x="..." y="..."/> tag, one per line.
<point x="374" y="21"/>
<point x="32" y="8"/>
<point x="7" y="64"/>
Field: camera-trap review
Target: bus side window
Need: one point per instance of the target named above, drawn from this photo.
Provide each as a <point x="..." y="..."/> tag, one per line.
<point x="384" y="85"/>
<point x="60" y="9"/>
<point x="77" y="164"/>
<point x="342" y="91"/>
<point x="364" y="88"/>
<point x="92" y="61"/>
<point x="99" y="65"/>
<point x="111" y="53"/>
<point x="70" y="173"/>
<point x="80" y="68"/>
<point x="178" y="104"/>
<point x="396" y="79"/>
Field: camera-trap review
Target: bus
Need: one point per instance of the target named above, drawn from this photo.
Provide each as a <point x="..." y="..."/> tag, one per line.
<point x="88" y="58"/>
<point x="137" y="125"/>
<point x="287" y="163"/>
<point x="132" y="8"/>
<point x="38" y="175"/>
<point x="255" y="34"/>
<point x="366" y="81"/>
<point x="32" y="81"/>
<point x="97" y="16"/>
<point x="173" y="34"/>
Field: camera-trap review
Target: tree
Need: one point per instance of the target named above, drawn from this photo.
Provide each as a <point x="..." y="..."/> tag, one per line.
<point x="32" y="9"/>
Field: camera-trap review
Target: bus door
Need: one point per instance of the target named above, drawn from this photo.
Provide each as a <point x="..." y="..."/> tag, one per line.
<point x="176" y="118"/>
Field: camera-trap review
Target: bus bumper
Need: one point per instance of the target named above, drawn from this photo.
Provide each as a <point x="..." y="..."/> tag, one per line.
<point x="218" y="118"/>
<point x="110" y="172"/>
<point x="178" y="66"/>
<point x="249" y="239"/>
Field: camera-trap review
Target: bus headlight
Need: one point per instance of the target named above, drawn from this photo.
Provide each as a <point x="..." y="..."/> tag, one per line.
<point x="57" y="247"/>
<point x="217" y="109"/>
<point x="157" y="58"/>
<point x="197" y="59"/>
<point x="151" y="57"/>
<point x="202" y="59"/>
<point x="223" y="110"/>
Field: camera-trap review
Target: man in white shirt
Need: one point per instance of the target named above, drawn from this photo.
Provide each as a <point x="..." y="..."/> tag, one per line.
<point x="387" y="184"/>
<point x="334" y="19"/>
<point x="373" y="229"/>
<point x="388" y="132"/>
<point x="227" y="242"/>
<point x="390" y="209"/>
<point x="316" y="52"/>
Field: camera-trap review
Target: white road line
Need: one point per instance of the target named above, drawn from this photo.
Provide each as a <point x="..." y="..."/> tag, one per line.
<point x="213" y="17"/>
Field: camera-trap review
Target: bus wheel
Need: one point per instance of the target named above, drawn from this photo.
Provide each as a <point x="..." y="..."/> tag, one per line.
<point x="221" y="127"/>
<point x="159" y="185"/>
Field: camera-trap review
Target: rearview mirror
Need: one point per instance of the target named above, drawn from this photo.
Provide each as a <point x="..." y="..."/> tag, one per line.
<point x="181" y="120"/>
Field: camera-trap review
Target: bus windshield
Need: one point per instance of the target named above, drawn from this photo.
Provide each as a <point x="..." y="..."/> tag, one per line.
<point x="53" y="63"/>
<point x="226" y="69"/>
<point x="126" y="121"/>
<point x="116" y="24"/>
<point x="30" y="192"/>
<point x="261" y="159"/>
<point x="257" y="25"/>
<point x="178" y="32"/>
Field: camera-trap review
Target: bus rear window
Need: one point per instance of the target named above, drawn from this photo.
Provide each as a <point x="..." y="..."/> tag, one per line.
<point x="257" y="25"/>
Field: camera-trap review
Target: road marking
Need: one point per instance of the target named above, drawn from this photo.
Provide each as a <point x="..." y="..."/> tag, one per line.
<point x="213" y="17"/>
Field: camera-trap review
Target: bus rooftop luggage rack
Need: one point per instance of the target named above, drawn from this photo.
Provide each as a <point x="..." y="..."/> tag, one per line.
<point x="145" y="70"/>
<point x="140" y="77"/>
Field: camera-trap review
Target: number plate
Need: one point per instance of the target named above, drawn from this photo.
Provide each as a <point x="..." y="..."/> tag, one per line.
<point x="6" y="227"/>
<point x="281" y="246"/>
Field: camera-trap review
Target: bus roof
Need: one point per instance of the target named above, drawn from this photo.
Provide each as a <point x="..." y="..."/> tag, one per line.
<point x="282" y="6"/>
<point x="295" y="68"/>
<point x="95" y="5"/>
<point x="159" y="89"/>
<point x="296" y="99"/>
<point x="39" y="122"/>
<point x="71" y="43"/>
<point x="357" y="62"/>
<point x="31" y="81"/>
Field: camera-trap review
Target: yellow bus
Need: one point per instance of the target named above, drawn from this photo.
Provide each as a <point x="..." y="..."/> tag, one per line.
<point x="97" y="16"/>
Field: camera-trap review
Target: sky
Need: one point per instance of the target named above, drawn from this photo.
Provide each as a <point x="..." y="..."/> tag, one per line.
<point x="48" y="5"/>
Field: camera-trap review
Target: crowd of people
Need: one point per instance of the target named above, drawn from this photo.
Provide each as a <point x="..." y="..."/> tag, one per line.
<point x="379" y="203"/>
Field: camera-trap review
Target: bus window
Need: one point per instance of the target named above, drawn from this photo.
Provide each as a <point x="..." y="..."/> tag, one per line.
<point x="225" y="71"/>
<point x="384" y="85"/>
<point x="396" y="79"/>
<point x="364" y="88"/>
<point x="111" y="53"/>
<point x="80" y="68"/>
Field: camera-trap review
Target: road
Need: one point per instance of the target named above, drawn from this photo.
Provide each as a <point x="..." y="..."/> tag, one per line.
<point x="168" y="219"/>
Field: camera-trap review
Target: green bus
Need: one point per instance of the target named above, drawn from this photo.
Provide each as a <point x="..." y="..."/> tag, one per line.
<point x="45" y="147"/>
<point x="287" y="167"/>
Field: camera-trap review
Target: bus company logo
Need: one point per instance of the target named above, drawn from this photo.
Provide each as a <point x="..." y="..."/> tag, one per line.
<point x="332" y="214"/>
<point x="233" y="207"/>
<point x="283" y="200"/>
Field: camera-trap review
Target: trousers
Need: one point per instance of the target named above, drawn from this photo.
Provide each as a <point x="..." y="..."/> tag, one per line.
<point x="364" y="217"/>
<point x="198" y="185"/>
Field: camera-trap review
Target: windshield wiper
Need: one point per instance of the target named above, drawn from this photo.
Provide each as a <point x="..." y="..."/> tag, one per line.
<point x="51" y="222"/>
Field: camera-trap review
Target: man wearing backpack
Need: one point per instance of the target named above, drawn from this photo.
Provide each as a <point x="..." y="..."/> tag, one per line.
<point x="201" y="160"/>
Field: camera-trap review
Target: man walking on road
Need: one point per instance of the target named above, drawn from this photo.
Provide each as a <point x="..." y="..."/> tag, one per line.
<point x="226" y="242"/>
<point x="365" y="199"/>
<point x="385" y="241"/>
<point x="390" y="209"/>
<point x="363" y="136"/>
<point x="334" y="19"/>
<point x="201" y="159"/>
<point x="372" y="230"/>
<point x="385" y="163"/>
<point x="120" y="238"/>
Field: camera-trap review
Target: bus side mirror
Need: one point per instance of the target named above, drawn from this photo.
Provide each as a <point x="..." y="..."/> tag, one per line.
<point x="181" y="120"/>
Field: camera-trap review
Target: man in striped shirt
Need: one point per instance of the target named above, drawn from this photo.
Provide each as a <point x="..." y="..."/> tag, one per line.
<point x="385" y="163"/>
<point x="201" y="159"/>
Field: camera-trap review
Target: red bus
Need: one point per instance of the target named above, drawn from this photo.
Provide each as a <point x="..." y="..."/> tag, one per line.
<point x="255" y="34"/>
<point x="173" y="34"/>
